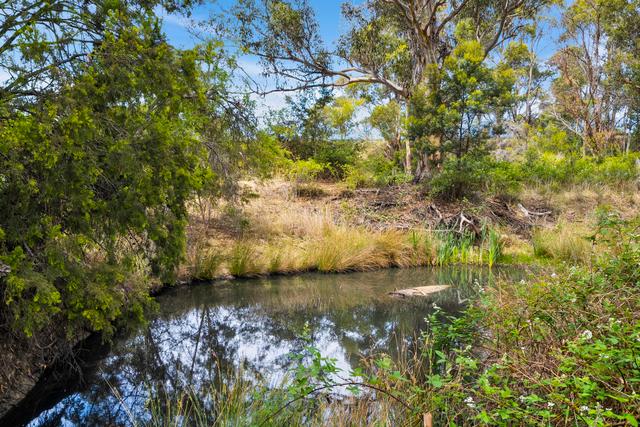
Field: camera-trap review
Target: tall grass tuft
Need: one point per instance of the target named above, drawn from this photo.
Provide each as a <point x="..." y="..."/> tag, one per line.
<point x="494" y="248"/>
<point x="565" y="242"/>
<point x="206" y="263"/>
<point x="446" y="248"/>
<point x="243" y="260"/>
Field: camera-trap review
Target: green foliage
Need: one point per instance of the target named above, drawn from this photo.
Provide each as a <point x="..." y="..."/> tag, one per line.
<point x="473" y="172"/>
<point x="338" y="154"/>
<point x="374" y="169"/>
<point x="453" y="118"/>
<point x="340" y="114"/>
<point x="111" y="157"/>
<point x="304" y="171"/>
<point x="386" y="118"/>
<point x="314" y="127"/>
<point x="95" y="175"/>
<point x="549" y="167"/>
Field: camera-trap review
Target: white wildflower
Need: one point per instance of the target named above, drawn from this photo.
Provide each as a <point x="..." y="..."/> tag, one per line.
<point x="584" y="408"/>
<point x="469" y="401"/>
<point x="587" y="334"/>
<point x="551" y="404"/>
<point x="554" y="275"/>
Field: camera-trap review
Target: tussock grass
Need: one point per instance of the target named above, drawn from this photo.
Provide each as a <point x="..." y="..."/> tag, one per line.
<point x="305" y="238"/>
<point x="565" y="242"/>
<point x="285" y="256"/>
<point x="347" y="249"/>
<point x="243" y="261"/>
<point x="206" y="263"/>
<point x="332" y="248"/>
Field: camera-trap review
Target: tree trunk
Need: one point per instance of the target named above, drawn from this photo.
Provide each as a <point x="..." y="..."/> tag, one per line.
<point x="407" y="144"/>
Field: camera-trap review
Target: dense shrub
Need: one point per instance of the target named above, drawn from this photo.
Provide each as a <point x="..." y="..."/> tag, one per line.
<point x="549" y="167"/>
<point x="338" y="155"/>
<point x="374" y="170"/>
<point x="308" y="170"/>
<point x="93" y="184"/>
<point x="462" y="177"/>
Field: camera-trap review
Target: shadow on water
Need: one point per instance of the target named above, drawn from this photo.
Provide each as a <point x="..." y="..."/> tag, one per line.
<point x="203" y="331"/>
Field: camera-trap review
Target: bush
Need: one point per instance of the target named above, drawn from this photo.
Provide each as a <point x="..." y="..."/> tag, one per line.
<point x="461" y="177"/>
<point x="305" y="170"/>
<point x="337" y="155"/>
<point x="548" y="167"/>
<point x="375" y="170"/>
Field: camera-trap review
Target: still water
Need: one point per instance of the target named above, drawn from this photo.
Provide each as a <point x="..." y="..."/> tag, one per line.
<point x="202" y="331"/>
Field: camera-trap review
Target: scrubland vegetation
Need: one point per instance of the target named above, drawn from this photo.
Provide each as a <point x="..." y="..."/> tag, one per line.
<point x="433" y="133"/>
<point x="560" y="349"/>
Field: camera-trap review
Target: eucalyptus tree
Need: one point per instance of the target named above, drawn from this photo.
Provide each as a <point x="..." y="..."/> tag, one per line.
<point x="622" y="25"/>
<point x="396" y="44"/>
<point x="596" y="92"/>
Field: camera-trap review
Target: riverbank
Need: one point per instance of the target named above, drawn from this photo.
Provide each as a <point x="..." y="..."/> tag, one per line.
<point x="277" y="227"/>
<point x="557" y="349"/>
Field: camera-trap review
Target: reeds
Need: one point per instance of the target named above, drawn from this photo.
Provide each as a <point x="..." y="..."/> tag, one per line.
<point x="565" y="242"/>
<point x="308" y="240"/>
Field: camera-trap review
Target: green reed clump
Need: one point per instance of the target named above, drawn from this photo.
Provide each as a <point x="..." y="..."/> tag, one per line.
<point x="565" y="242"/>
<point x="242" y="260"/>
<point x="446" y="248"/>
<point x="206" y="263"/>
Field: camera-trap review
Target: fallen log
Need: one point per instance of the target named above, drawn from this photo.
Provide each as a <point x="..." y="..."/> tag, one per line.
<point x="419" y="291"/>
<point x="527" y="212"/>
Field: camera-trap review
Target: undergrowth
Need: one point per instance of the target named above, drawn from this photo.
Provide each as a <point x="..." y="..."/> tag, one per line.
<point x="562" y="350"/>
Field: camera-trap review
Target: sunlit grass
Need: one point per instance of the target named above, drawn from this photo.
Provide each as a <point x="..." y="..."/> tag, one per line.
<point x="565" y="242"/>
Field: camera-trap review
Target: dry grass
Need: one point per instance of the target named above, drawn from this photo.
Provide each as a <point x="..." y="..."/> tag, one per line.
<point x="281" y="233"/>
<point x="565" y="242"/>
<point x="304" y="240"/>
<point x="347" y="249"/>
<point x="579" y="202"/>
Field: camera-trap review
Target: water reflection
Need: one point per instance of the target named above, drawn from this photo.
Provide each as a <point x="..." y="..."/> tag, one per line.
<point x="205" y="330"/>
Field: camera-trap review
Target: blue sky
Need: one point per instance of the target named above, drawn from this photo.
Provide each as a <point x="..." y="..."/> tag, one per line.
<point x="328" y="15"/>
<point x="331" y="26"/>
<point x="327" y="12"/>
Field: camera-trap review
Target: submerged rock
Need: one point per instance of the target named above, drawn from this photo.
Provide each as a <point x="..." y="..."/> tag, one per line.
<point x="418" y="291"/>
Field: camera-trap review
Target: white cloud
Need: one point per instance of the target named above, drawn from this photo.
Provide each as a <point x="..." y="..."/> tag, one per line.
<point x="272" y="101"/>
<point x="176" y="20"/>
<point x="4" y="76"/>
